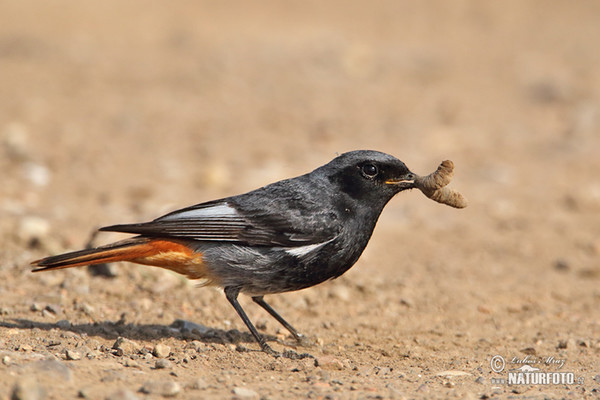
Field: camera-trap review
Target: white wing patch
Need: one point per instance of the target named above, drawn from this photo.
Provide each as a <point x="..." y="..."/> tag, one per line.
<point x="217" y="211"/>
<point x="304" y="250"/>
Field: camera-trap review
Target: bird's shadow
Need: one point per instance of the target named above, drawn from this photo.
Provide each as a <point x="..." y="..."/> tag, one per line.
<point x="150" y="332"/>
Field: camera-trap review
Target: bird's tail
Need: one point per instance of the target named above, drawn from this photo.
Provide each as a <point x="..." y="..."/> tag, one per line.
<point x="168" y="254"/>
<point x="120" y="251"/>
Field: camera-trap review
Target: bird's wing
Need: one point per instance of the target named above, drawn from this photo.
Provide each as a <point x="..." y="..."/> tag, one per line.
<point x="221" y="220"/>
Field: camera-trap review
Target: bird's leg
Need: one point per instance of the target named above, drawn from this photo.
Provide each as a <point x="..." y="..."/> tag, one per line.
<point x="232" y="293"/>
<point x="299" y="337"/>
<point x="261" y="302"/>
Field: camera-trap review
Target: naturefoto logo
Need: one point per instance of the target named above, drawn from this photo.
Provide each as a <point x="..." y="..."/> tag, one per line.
<point x="529" y="374"/>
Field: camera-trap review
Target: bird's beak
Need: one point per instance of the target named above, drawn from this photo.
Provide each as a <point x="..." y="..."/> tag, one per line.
<point x="405" y="181"/>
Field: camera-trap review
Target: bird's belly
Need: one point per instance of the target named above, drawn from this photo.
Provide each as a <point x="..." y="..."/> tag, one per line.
<point x="259" y="271"/>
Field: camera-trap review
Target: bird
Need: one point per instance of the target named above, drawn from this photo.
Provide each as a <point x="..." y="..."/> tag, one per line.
<point x="282" y="237"/>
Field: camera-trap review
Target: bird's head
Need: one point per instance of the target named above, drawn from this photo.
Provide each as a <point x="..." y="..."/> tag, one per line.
<point x="369" y="176"/>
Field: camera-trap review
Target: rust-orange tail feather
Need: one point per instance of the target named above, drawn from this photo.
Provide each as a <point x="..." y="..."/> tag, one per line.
<point x="120" y="251"/>
<point x="169" y="254"/>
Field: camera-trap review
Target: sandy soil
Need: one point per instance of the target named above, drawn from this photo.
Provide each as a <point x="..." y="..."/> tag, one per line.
<point x="115" y="112"/>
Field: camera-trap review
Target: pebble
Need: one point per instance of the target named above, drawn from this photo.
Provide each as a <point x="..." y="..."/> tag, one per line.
<point x="195" y="345"/>
<point x="340" y="292"/>
<point x="26" y="348"/>
<point x="132" y="364"/>
<point x="105" y="270"/>
<point x="161" y="351"/>
<point x="530" y="351"/>
<point x="53" y="308"/>
<point x="86" y="308"/>
<point x="36" y="174"/>
<point x="484" y="309"/>
<point x="199" y="384"/>
<point x="6" y="360"/>
<point x="69" y="335"/>
<point x="244" y="393"/>
<point x="329" y="363"/>
<point x="63" y="324"/>
<point x="28" y="389"/>
<point x="15" y="140"/>
<point x="126" y="346"/>
<point x="122" y="394"/>
<point x="162" y="388"/>
<point x="32" y="228"/>
<point x="73" y="355"/>
<point x="188" y="326"/>
<point x="162" y="363"/>
<point x="561" y="265"/>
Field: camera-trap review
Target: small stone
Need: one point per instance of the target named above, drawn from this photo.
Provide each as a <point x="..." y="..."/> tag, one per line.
<point x="63" y="324"/>
<point x="480" y="380"/>
<point x="449" y="384"/>
<point x="73" y="355"/>
<point x="104" y="270"/>
<point x="15" y="141"/>
<point x="161" y="351"/>
<point x="199" y="384"/>
<point x="188" y="326"/>
<point x="122" y="394"/>
<point x="37" y="174"/>
<point x="244" y="393"/>
<point x="530" y="351"/>
<point x="126" y="346"/>
<point x="36" y="307"/>
<point x="32" y="228"/>
<point x="26" y="348"/>
<point x="132" y="364"/>
<point x="195" y="345"/>
<point x="561" y="265"/>
<point x="406" y="302"/>
<point x="329" y="363"/>
<point x="86" y="308"/>
<point x="484" y="309"/>
<point x="340" y="292"/>
<point x="6" y="360"/>
<point x="28" y="389"/>
<point x="162" y="388"/>
<point x="597" y="378"/>
<point x="162" y="363"/>
<point x="562" y="344"/>
<point x="53" y="308"/>
<point x="69" y="335"/>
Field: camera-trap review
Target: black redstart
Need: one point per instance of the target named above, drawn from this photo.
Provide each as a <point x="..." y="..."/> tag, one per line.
<point x="285" y="236"/>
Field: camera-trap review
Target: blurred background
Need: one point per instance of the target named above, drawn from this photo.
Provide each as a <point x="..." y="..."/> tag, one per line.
<point x="149" y="103"/>
<point x="115" y="112"/>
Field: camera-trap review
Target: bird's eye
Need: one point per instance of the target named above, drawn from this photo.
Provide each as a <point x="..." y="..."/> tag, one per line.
<point x="370" y="170"/>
